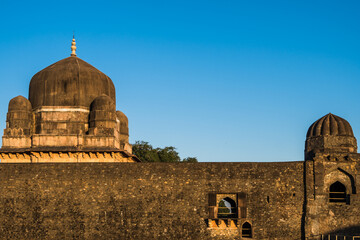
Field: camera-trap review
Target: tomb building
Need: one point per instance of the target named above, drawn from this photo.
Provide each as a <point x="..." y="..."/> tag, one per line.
<point x="70" y="116"/>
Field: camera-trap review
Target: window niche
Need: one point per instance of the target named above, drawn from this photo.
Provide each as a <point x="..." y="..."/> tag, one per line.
<point x="227" y="205"/>
<point x="337" y="193"/>
<point x="246" y="231"/>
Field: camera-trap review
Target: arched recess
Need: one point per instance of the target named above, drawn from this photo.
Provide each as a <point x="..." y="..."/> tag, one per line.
<point x="227" y="208"/>
<point x="340" y="175"/>
<point x="337" y="192"/>
<point x="246" y="230"/>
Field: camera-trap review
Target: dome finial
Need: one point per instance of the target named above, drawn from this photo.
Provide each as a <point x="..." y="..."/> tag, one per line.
<point x="73" y="46"/>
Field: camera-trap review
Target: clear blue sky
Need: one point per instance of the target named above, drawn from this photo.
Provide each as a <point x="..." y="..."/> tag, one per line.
<point x="219" y="80"/>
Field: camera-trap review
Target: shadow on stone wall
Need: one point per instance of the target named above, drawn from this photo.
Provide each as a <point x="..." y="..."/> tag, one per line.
<point x="352" y="180"/>
<point x="349" y="232"/>
<point x="303" y="216"/>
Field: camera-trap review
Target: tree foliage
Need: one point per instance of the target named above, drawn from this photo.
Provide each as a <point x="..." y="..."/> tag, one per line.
<point x="146" y="153"/>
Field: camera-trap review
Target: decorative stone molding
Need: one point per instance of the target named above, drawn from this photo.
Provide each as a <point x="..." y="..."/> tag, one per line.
<point x="67" y="156"/>
<point x="223" y="223"/>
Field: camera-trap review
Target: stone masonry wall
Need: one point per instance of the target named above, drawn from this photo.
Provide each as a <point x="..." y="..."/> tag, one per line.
<point x="324" y="217"/>
<point x="145" y="200"/>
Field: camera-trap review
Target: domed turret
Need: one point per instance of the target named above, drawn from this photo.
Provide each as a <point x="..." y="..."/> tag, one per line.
<point x="103" y="103"/>
<point x="19" y="103"/>
<point x="19" y="123"/>
<point x="69" y="82"/>
<point x="330" y="125"/>
<point x="102" y="116"/>
<point x="124" y="125"/>
<point x="19" y="117"/>
<point x="330" y="134"/>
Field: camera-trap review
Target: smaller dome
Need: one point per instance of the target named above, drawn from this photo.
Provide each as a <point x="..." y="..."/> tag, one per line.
<point x="122" y="117"/>
<point x="19" y="103"/>
<point x="124" y="123"/>
<point x="103" y="103"/>
<point x="329" y="134"/>
<point x="330" y="125"/>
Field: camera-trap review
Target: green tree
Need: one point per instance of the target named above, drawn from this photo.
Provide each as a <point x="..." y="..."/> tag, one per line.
<point x="146" y="153"/>
<point x="168" y="154"/>
<point x="190" y="159"/>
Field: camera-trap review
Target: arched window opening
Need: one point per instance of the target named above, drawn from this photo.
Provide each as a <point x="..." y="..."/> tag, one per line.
<point x="337" y="192"/>
<point x="227" y="208"/>
<point x="246" y="230"/>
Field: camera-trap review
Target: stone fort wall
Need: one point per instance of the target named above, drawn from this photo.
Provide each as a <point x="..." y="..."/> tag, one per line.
<point x="146" y="200"/>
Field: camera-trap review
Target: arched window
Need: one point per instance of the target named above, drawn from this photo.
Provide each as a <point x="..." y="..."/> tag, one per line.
<point x="246" y="230"/>
<point x="337" y="192"/>
<point x="227" y="208"/>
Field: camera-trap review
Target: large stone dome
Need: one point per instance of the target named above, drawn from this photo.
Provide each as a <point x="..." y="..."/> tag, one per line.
<point x="69" y="82"/>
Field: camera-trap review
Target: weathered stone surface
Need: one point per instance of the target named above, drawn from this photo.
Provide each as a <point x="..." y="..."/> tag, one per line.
<point x="288" y="200"/>
<point x="69" y="82"/>
<point x="145" y="200"/>
<point x="323" y="216"/>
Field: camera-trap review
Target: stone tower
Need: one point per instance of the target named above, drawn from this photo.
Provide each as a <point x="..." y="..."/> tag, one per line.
<point x="331" y="176"/>
<point x="71" y="109"/>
